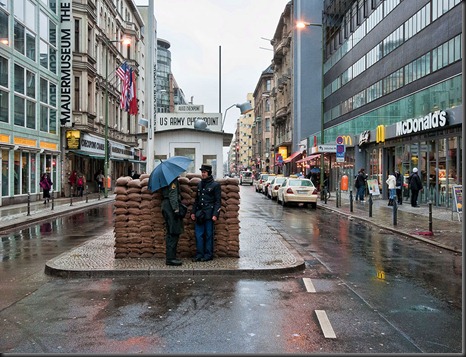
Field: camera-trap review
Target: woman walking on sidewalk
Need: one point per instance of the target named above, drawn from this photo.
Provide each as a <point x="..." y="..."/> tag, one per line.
<point x="46" y="184"/>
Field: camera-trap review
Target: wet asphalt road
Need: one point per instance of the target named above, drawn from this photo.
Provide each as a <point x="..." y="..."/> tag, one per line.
<point x="381" y="293"/>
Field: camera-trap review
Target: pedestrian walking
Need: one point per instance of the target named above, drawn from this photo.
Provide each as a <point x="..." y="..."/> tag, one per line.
<point x="391" y="182"/>
<point x="415" y="185"/>
<point x="360" y="184"/>
<point x="80" y="183"/>
<point x="399" y="187"/>
<point x="46" y="185"/>
<point x="72" y="181"/>
<point x="100" y="181"/>
<point x="171" y="201"/>
<point x="205" y="212"/>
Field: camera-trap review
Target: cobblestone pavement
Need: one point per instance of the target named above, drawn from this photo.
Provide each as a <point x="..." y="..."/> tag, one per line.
<point x="262" y="250"/>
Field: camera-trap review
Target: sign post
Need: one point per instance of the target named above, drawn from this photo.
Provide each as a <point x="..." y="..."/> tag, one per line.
<point x="458" y="200"/>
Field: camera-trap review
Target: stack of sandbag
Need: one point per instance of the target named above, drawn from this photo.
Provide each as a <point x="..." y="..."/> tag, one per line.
<point x="139" y="226"/>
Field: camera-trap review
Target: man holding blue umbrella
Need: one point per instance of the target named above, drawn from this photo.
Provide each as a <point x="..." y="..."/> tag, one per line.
<point x="165" y="177"/>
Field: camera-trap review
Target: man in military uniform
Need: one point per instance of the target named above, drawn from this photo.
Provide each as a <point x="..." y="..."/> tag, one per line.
<point x="173" y="221"/>
<point x="205" y="211"/>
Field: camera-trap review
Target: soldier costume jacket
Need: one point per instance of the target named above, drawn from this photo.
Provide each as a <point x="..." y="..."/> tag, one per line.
<point x="170" y="207"/>
<point x="208" y="198"/>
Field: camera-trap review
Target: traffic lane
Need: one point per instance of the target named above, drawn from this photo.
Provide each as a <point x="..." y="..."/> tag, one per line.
<point x="410" y="283"/>
<point x="194" y="315"/>
<point x="24" y="252"/>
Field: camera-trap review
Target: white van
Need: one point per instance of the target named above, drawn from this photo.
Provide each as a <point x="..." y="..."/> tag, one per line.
<point x="245" y="177"/>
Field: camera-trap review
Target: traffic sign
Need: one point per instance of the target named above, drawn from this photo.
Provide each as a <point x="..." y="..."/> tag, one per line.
<point x="340" y="156"/>
<point x="327" y="148"/>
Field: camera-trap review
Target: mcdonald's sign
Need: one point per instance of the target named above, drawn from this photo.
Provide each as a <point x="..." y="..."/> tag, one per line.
<point x="347" y="140"/>
<point x="380" y="134"/>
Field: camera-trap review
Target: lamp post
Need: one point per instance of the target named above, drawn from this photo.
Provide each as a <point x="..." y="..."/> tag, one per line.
<point x="301" y="25"/>
<point x="244" y="108"/>
<point x="124" y="41"/>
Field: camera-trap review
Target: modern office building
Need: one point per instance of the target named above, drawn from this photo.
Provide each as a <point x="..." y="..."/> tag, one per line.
<point x="393" y="91"/>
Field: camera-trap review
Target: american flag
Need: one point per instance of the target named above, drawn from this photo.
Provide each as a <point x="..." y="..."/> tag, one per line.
<point x="123" y="73"/>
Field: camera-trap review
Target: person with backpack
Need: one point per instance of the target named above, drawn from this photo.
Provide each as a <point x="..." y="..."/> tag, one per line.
<point x="80" y="183"/>
<point x="46" y="185"/>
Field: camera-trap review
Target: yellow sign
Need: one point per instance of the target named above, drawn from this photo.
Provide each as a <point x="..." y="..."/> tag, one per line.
<point x="47" y="145"/>
<point x="282" y="150"/>
<point x="25" y="142"/>
<point x="380" y="134"/>
<point x="72" y="139"/>
<point x="347" y="140"/>
<point x="4" y="138"/>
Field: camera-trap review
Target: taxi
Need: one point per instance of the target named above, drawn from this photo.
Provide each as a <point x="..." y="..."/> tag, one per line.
<point x="297" y="190"/>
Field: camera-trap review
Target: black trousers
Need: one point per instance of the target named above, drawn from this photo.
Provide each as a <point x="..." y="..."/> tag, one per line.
<point x="399" y="197"/>
<point x="414" y="195"/>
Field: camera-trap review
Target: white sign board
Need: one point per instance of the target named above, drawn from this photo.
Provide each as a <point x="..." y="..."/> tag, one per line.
<point x="170" y="121"/>
<point x="183" y="108"/>
<point x="324" y="148"/>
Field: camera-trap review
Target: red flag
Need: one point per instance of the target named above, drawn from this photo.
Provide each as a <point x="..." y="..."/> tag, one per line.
<point x="133" y="105"/>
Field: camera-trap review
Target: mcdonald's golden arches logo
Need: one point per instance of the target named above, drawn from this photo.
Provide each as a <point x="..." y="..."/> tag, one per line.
<point x="347" y="140"/>
<point x="380" y="134"/>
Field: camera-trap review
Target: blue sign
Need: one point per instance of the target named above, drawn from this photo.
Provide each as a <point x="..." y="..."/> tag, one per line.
<point x="340" y="155"/>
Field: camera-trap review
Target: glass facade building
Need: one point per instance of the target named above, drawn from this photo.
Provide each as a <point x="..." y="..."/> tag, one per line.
<point x="388" y="64"/>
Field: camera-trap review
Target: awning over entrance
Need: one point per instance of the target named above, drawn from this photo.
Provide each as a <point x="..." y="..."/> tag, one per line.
<point x="308" y="158"/>
<point x="292" y="156"/>
<point x="89" y="154"/>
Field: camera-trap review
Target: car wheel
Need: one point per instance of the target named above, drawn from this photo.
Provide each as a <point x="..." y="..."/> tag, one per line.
<point x="283" y="202"/>
<point x="314" y="205"/>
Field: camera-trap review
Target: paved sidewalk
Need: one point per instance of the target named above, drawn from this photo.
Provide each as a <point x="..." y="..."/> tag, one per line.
<point x="410" y="221"/>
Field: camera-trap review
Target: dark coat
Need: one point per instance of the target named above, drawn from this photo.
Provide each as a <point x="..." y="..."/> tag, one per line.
<point x="361" y="179"/>
<point x="170" y="204"/>
<point x="399" y="180"/>
<point x="415" y="182"/>
<point x="208" y="198"/>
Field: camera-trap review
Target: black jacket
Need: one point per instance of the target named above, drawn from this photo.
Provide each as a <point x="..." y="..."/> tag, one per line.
<point x="415" y="182"/>
<point x="208" y="198"/>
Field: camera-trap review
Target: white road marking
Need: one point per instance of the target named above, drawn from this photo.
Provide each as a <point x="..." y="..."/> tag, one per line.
<point x="309" y="286"/>
<point x="325" y="324"/>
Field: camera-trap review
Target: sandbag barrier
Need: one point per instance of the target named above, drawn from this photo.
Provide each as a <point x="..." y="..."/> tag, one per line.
<point x="139" y="227"/>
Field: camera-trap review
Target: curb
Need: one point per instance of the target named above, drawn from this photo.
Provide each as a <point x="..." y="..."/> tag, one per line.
<point x="440" y="245"/>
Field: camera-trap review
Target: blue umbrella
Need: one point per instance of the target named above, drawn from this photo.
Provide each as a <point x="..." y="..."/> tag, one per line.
<point x="315" y="170"/>
<point x="167" y="171"/>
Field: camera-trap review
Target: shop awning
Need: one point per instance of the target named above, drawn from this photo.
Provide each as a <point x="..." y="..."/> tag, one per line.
<point x="308" y="158"/>
<point x="89" y="154"/>
<point x="292" y="156"/>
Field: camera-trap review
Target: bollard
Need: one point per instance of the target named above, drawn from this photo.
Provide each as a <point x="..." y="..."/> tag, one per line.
<point x="29" y="204"/>
<point x="337" y="201"/>
<point x="351" y="200"/>
<point x="98" y="197"/>
<point x="395" y="211"/>
<point x="370" y="204"/>
<point x="87" y="192"/>
<point x="430" y="216"/>
<point x="52" y="199"/>
<point x="71" y="196"/>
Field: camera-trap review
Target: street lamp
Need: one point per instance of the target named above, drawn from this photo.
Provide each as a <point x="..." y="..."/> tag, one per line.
<point x="301" y="25"/>
<point x="244" y="108"/>
<point x="125" y="41"/>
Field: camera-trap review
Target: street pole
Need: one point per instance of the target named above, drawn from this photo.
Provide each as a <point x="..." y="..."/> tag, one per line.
<point x="106" y="125"/>
<point x="301" y="25"/>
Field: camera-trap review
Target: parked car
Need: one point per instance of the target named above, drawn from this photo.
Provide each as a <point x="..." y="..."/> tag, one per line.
<point x="297" y="190"/>
<point x="260" y="181"/>
<point x="245" y="177"/>
<point x="267" y="182"/>
<point x="275" y="184"/>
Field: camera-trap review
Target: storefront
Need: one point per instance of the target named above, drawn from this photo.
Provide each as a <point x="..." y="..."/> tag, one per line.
<point x="431" y="143"/>
<point x="86" y="154"/>
<point x="23" y="160"/>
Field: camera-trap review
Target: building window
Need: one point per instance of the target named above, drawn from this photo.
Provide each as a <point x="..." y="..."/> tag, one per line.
<point x="77" y="93"/>
<point x="76" y="35"/>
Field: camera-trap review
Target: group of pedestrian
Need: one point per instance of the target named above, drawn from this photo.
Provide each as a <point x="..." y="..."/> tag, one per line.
<point x="205" y="212"/>
<point x="77" y="182"/>
<point x="395" y="187"/>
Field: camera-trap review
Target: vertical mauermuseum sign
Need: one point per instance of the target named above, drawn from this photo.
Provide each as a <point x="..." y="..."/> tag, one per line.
<point x="66" y="58"/>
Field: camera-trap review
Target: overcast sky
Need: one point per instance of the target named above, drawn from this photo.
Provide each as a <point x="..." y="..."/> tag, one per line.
<point x="197" y="28"/>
